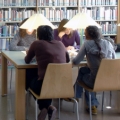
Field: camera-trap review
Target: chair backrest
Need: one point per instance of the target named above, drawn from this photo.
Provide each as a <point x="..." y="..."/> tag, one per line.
<point x="108" y="76"/>
<point x="75" y="70"/>
<point x="57" y="82"/>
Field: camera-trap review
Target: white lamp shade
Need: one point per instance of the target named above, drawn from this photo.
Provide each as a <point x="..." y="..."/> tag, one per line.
<point x="81" y="20"/>
<point x="119" y="24"/>
<point x="35" y="21"/>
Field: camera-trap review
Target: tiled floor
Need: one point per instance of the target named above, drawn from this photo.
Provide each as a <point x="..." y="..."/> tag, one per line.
<point x="7" y="106"/>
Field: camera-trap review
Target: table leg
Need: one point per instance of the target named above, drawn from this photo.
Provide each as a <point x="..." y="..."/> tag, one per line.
<point x="4" y="76"/>
<point x="20" y="94"/>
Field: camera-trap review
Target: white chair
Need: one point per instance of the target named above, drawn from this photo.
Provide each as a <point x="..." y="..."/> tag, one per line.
<point x="107" y="79"/>
<point x="57" y="83"/>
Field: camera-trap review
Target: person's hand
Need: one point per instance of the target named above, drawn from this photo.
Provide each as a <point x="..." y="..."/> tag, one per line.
<point x="61" y="34"/>
<point x="26" y="49"/>
<point x="26" y="52"/>
<point x="70" y="48"/>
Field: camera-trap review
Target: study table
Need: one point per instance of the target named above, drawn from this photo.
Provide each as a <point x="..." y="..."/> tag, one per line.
<point x="17" y="59"/>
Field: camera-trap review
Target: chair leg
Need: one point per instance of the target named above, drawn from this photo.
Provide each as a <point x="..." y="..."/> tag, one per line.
<point x="27" y="96"/>
<point x="59" y="109"/>
<point x="11" y="78"/>
<point x="36" y="110"/>
<point x="110" y="94"/>
<point x="75" y="101"/>
<point x="73" y="107"/>
<point x="74" y="95"/>
<point x="102" y="100"/>
<point x="90" y="112"/>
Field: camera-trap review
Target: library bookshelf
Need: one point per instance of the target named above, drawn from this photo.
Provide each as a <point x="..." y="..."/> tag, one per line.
<point x="104" y="12"/>
<point x="12" y="12"/>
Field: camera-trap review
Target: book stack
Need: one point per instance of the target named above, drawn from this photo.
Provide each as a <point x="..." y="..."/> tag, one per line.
<point x="57" y="14"/>
<point x="40" y="2"/>
<point x="97" y="2"/>
<point x="8" y="30"/>
<point x="4" y="44"/>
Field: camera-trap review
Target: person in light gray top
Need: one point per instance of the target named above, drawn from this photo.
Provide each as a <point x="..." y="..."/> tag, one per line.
<point x="23" y="39"/>
<point x="95" y="48"/>
<point x="21" y="42"/>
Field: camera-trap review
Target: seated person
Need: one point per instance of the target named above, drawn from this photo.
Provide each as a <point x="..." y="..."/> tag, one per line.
<point x="95" y="48"/>
<point x="67" y="36"/>
<point x="22" y="41"/>
<point x="23" y="38"/>
<point x="46" y="50"/>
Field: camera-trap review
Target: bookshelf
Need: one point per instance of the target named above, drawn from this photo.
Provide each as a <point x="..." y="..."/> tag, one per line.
<point x="12" y="12"/>
<point x="104" y="12"/>
<point x="118" y="21"/>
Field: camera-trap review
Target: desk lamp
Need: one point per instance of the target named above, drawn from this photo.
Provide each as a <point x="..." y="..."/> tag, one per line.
<point x="36" y="20"/>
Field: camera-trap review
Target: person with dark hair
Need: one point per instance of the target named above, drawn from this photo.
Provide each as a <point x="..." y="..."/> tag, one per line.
<point x="70" y="38"/>
<point x="23" y="39"/>
<point x="95" y="48"/>
<point x="45" y="49"/>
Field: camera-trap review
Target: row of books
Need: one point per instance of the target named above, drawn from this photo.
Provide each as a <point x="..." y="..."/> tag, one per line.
<point x="108" y="28"/>
<point x="50" y="14"/>
<point x="14" y="14"/>
<point x="4" y="44"/>
<point x="40" y="2"/>
<point x="58" y="14"/>
<point x="98" y="2"/>
<point x="8" y="30"/>
<point x="102" y="13"/>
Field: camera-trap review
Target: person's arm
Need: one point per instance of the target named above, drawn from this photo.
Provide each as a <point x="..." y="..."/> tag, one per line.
<point x="14" y="42"/>
<point x="77" y="40"/>
<point x="112" y="50"/>
<point x="58" y="36"/>
<point x="113" y="55"/>
<point x="80" y="56"/>
<point x="30" y="53"/>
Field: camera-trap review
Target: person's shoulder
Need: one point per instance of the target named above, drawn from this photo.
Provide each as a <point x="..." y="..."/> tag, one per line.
<point x="75" y="31"/>
<point x="57" y="42"/>
<point x="105" y="41"/>
<point x="55" y="30"/>
<point x="36" y="41"/>
<point x="17" y="33"/>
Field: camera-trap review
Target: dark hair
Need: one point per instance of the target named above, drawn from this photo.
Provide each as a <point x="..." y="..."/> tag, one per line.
<point x="45" y="32"/>
<point x="94" y="33"/>
<point x="22" y="32"/>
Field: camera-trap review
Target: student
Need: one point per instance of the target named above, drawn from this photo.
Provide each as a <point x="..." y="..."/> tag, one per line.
<point x="67" y="36"/>
<point x="95" y="50"/>
<point x="23" y="39"/>
<point x="47" y="50"/>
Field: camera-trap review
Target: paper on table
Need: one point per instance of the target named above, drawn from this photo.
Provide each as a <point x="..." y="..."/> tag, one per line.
<point x="72" y="53"/>
<point x="24" y="52"/>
